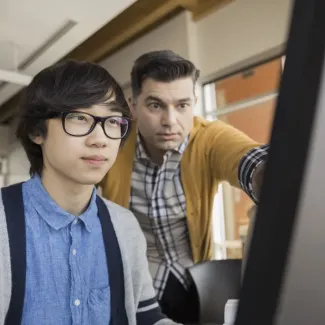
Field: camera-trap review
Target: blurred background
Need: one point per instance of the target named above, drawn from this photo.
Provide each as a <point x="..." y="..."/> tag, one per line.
<point x="237" y="44"/>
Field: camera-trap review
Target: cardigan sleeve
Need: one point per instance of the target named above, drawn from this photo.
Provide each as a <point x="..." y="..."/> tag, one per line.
<point x="148" y="311"/>
<point x="5" y="266"/>
<point x="247" y="167"/>
<point x="226" y="146"/>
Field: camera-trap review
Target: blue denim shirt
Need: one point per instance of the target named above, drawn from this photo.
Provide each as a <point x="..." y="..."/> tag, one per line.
<point x="67" y="277"/>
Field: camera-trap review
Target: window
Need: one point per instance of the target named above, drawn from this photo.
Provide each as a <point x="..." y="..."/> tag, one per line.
<point x="246" y="100"/>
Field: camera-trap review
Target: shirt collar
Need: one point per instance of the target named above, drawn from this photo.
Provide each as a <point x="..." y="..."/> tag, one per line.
<point x="53" y="214"/>
<point x="142" y="154"/>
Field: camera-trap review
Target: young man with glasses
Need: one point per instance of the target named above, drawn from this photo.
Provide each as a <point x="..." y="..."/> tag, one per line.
<point x="170" y="169"/>
<point x="66" y="255"/>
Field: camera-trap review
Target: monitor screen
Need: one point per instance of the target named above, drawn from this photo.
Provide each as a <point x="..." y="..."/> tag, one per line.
<point x="284" y="281"/>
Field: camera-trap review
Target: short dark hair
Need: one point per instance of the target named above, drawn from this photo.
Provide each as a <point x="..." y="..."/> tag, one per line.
<point x="162" y="66"/>
<point x="62" y="87"/>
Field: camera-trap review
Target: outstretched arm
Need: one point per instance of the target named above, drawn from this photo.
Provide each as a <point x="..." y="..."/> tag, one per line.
<point x="236" y="158"/>
<point x="251" y="171"/>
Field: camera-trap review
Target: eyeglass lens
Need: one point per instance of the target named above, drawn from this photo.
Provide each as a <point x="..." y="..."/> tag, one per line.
<point x="78" y="124"/>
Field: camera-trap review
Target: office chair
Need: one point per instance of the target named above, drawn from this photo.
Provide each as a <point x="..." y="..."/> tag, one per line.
<point x="215" y="283"/>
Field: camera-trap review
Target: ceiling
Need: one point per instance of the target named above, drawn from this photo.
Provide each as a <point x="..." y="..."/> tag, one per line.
<point x="36" y="33"/>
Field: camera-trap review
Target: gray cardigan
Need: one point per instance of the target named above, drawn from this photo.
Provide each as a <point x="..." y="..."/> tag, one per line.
<point x="141" y="306"/>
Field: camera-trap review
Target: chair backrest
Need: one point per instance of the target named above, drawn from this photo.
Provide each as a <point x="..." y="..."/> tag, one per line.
<point x="216" y="282"/>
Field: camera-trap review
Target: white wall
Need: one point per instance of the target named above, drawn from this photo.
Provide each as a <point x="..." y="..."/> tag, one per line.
<point x="18" y="161"/>
<point x="4" y="136"/>
<point x="233" y="34"/>
<point x="18" y="164"/>
<point x="170" y="35"/>
<point x="239" y="31"/>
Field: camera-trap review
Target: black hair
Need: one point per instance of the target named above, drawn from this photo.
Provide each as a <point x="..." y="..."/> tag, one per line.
<point x="62" y="87"/>
<point x="162" y="66"/>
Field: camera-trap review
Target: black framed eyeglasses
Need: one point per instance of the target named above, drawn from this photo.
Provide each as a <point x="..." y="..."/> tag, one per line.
<point x="79" y="124"/>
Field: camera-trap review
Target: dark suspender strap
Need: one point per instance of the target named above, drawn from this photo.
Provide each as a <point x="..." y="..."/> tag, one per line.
<point x="14" y="209"/>
<point x="12" y="197"/>
<point x="115" y="266"/>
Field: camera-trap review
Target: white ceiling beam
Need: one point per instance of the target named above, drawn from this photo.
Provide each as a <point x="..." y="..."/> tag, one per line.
<point x="15" y="77"/>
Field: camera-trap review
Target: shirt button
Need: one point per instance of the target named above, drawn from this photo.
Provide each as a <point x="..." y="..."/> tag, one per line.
<point x="74" y="252"/>
<point x="77" y="302"/>
<point x="75" y="221"/>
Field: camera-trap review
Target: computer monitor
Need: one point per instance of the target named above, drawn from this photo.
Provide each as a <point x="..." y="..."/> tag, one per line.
<point x="284" y="280"/>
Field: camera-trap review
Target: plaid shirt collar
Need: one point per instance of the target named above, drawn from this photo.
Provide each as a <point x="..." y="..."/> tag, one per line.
<point x="142" y="154"/>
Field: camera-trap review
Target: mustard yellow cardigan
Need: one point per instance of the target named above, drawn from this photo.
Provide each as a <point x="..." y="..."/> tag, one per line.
<point x="212" y="155"/>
